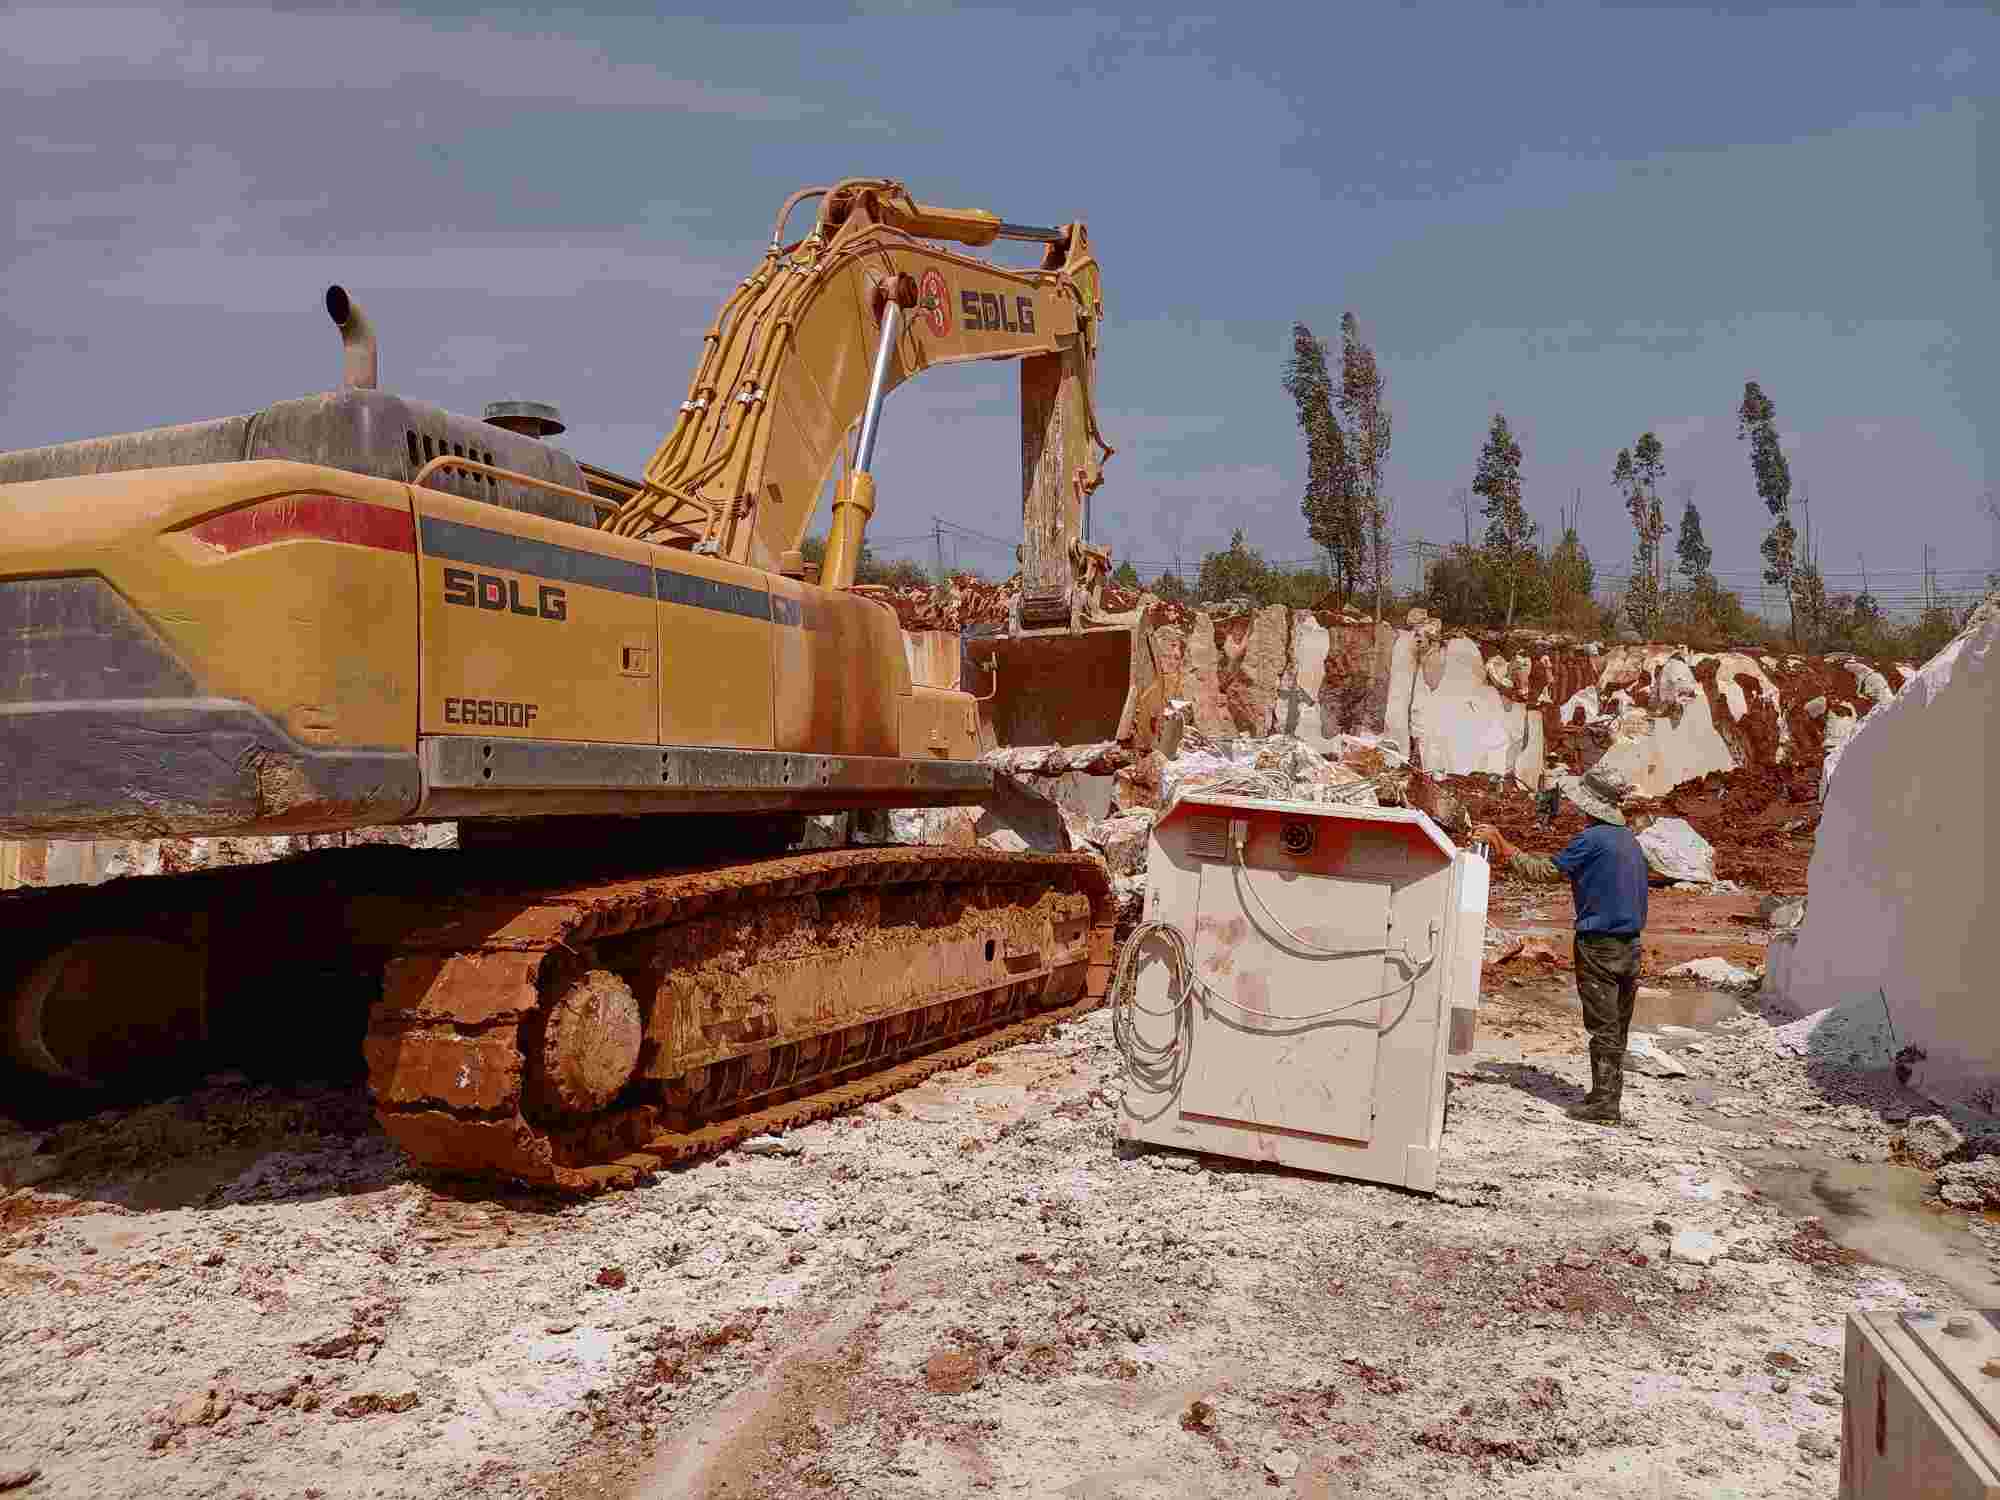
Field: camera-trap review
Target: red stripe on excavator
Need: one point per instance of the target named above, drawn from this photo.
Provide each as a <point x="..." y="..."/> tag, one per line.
<point x="319" y="518"/>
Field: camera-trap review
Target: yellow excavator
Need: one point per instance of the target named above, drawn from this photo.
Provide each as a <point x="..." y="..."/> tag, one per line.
<point x="352" y="610"/>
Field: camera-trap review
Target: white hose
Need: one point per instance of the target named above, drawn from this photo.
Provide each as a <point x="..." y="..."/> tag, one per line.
<point x="1159" y="1068"/>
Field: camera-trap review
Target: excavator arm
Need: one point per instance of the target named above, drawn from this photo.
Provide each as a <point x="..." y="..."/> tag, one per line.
<point x="795" y="367"/>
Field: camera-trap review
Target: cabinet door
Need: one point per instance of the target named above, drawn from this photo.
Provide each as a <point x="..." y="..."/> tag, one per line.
<point x="1255" y="1063"/>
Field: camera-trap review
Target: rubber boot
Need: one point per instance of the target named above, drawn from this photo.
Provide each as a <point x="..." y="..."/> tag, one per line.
<point x="1596" y="1094"/>
<point x="1600" y="1106"/>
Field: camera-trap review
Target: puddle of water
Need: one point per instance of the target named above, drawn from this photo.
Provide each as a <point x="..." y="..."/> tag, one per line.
<point x="1882" y="1212"/>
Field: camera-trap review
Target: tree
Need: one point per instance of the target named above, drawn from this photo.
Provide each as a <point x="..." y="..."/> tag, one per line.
<point x="1125" y="575"/>
<point x="868" y="568"/>
<point x="1368" y="433"/>
<point x="1332" y="520"/>
<point x="1692" y="550"/>
<point x="1510" y="534"/>
<point x="1237" y="572"/>
<point x="1757" y="421"/>
<point x="1172" y="588"/>
<point x="1571" y="577"/>
<point x="1636" y="473"/>
<point x="1814" y="613"/>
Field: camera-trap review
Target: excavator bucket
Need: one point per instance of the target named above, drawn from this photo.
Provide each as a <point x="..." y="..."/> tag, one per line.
<point x="1063" y="687"/>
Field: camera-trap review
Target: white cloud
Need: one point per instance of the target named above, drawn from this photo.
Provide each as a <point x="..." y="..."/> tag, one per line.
<point x="262" y="280"/>
<point x="55" y="49"/>
<point x="1958" y="61"/>
<point x="469" y="356"/>
<point x="1680" y="429"/>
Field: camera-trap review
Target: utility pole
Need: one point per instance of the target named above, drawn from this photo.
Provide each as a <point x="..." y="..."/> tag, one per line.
<point x="937" y="537"/>
<point x="1381" y="567"/>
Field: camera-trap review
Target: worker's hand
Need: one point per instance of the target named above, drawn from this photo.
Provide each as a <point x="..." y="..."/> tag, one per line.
<point x="1490" y="836"/>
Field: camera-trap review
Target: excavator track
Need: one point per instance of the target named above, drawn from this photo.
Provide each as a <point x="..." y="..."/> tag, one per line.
<point x="581" y="1038"/>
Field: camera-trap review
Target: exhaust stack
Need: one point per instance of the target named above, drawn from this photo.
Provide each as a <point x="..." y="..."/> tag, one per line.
<point x="357" y="339"/>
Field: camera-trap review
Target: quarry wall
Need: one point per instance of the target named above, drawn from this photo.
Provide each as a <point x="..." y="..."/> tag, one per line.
<point x="1459" y="705"/>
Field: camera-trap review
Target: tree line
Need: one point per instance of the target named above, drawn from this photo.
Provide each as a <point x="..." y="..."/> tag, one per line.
<point x="1509" y="575"/>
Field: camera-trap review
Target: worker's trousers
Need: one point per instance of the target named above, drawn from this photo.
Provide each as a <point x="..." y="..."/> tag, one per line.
<point x="1607" y="981"/>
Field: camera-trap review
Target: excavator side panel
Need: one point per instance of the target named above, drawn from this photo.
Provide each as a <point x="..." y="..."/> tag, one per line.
<point x="213" y="649"/>
<point x="717" y="631"/>
<point x="841" y="674"/>
<point x="533" y="629"/>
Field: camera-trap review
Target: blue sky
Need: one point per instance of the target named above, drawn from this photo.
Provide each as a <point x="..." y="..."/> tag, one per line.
<point x="1598" y="219"/>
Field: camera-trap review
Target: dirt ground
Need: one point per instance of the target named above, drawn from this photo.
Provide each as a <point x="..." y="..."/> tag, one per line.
<point x="972" y="1289"/>
<point x="1680" y="925"/>
<point x="1761" y="819"/>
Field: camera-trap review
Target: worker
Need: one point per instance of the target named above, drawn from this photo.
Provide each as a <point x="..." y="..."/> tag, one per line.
<point x="1606" y="870"/>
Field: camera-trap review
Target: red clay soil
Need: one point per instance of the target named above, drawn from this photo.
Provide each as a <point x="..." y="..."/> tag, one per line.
<point x="1680" y="925"/>
<point x="1761" y="819"/>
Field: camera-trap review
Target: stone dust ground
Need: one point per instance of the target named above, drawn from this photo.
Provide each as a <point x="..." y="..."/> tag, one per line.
<point x="965" y="1290"/>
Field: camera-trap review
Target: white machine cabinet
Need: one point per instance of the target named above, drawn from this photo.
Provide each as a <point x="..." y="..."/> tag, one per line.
<point x="1920" y="1414"/>
<point x="1311" y="967"/>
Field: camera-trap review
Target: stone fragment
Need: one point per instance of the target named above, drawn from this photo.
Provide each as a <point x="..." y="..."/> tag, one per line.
<point x="1201" y="679"/>
<point x="1676" y="852"/>
<point x="1778" y="911"/>
<point x="823" y="831"/>
<point x="1299" y="712"/>
<point x="374" y="1403"/>
<point x="1816" y="707"/>
<point x="1695" y="1247"/>
<point x="611" y="1278"/>
<point x="1281" y="1463"/>
<point x="1643" y="1055"/>
<point x="1257" y="666"/>
<point x="1817" y="1444"/>
<point x="1122" y="841"/>
<point x="1932" y="1140"/>
<point x="951" y="1372"/>
<point x="342" y="1343"/>
<point x="1676" y="686"/>
<point x="18" y="1478"/>
<point x="1199" y="1416"/>
<point x="1970" y="1184"/>
<point x="770" y="1145"/>
<point x="1017" y="809"/>
<point x="1169" y="658"/>
<point x="1719" y="972"/>
<point x="1871" y="684"/>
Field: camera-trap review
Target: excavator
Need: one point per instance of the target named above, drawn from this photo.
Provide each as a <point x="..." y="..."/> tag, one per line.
<point x="353" y="610"/>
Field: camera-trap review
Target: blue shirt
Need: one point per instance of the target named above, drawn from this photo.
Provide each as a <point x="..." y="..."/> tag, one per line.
<point x="1607" y="874"/>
